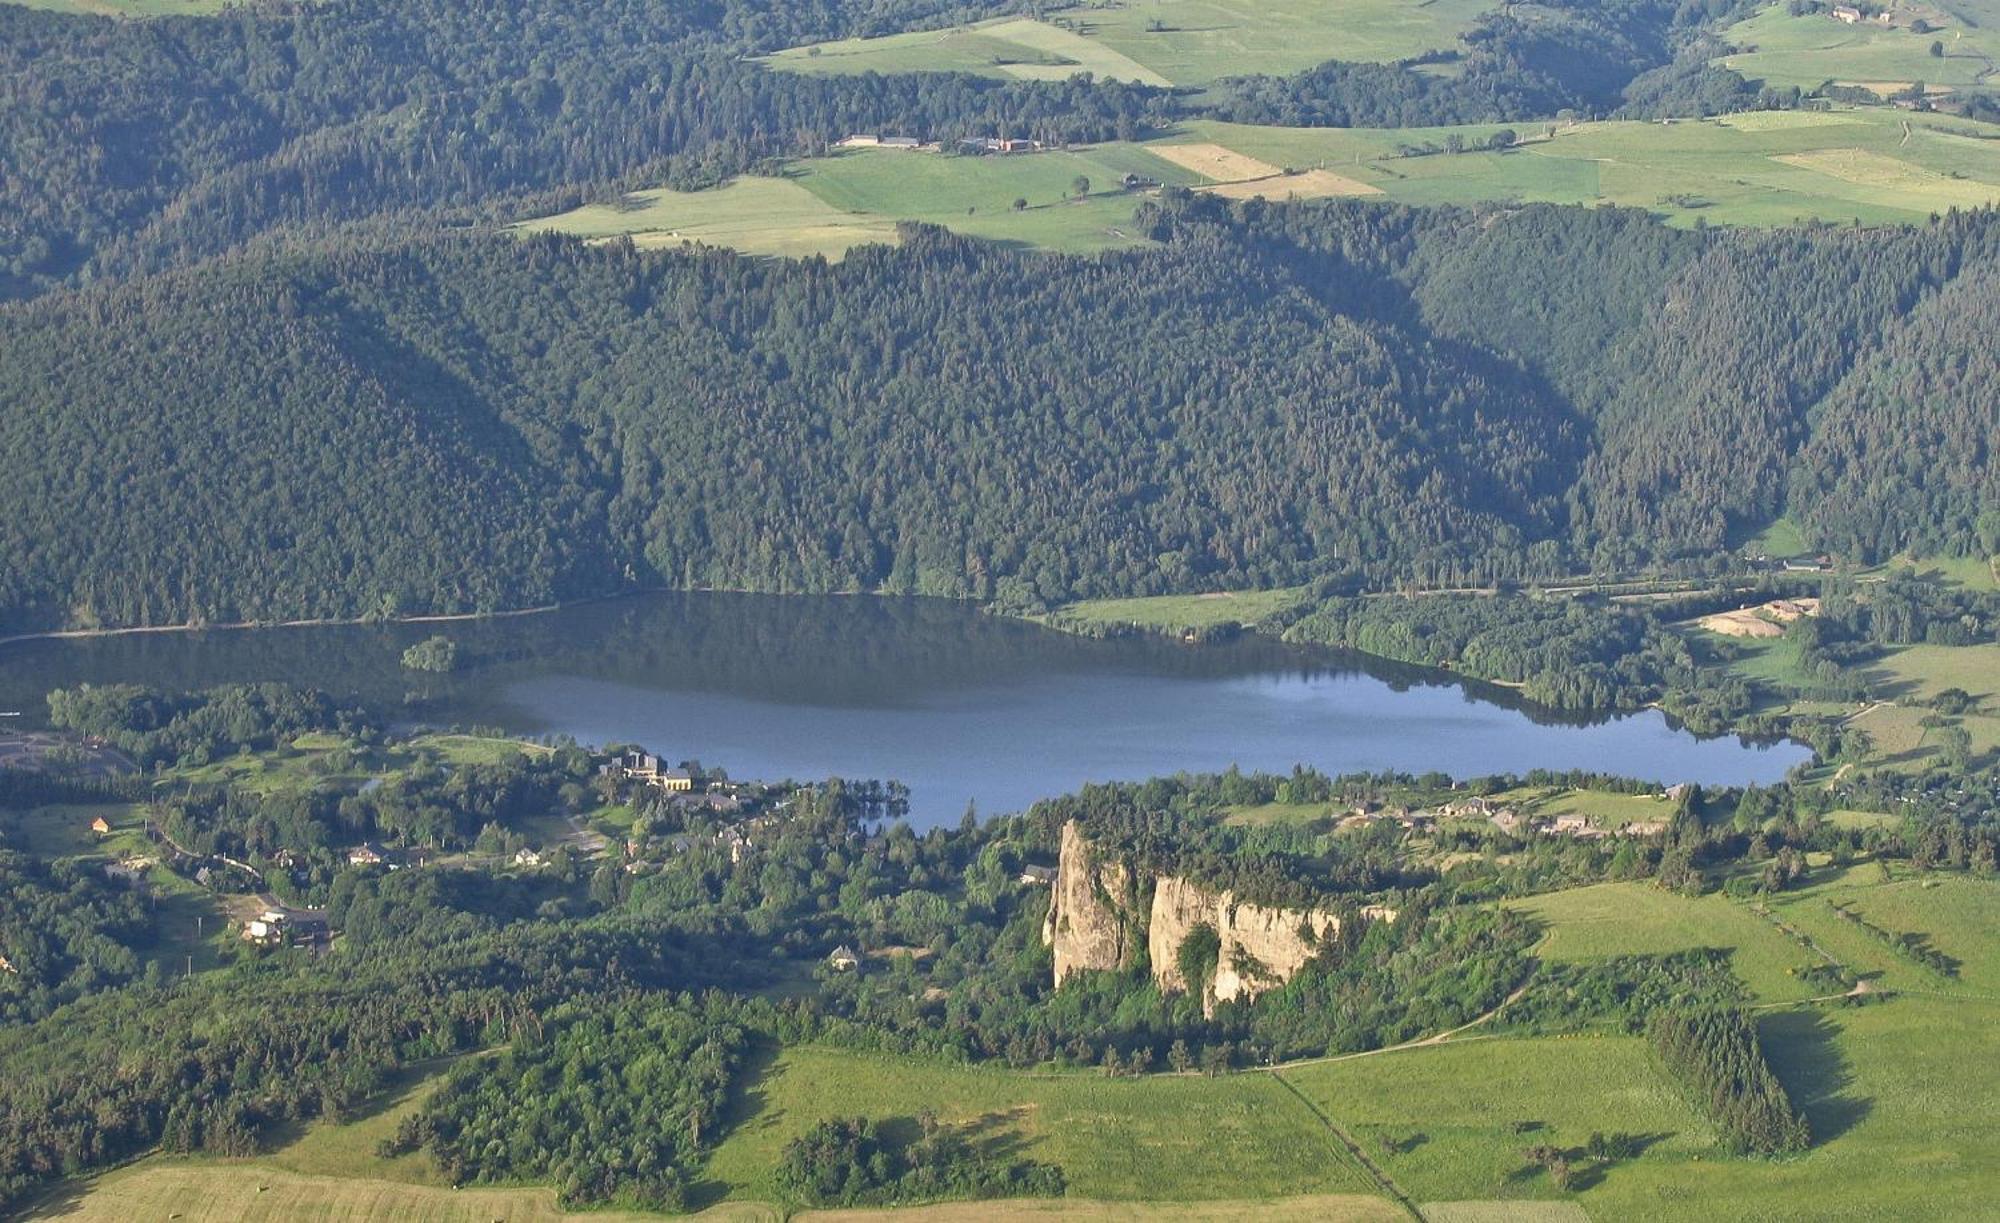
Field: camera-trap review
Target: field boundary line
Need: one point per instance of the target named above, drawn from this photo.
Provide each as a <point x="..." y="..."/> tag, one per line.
<point x="1354" y="1150"/>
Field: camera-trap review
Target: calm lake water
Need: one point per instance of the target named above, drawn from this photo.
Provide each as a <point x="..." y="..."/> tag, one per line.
<point x="957" y="705"/>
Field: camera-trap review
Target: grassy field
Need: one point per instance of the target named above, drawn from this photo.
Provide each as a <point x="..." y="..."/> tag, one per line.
<point x="1611" y="919"/>
<point x="1602" y="807"/>
<point x="1158" y="1138"/>
<point x="1767" y="168"/>
<point x="1166" y="612"/>
<point x="1158" y="42"/>
<point x="826" y="206"/>
<point x="1441" y="1121"/>
<point x="1860" y="163"/>
<point x="1804" y="50"/>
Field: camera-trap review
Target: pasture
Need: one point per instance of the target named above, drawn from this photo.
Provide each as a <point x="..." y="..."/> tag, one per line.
<point x="1614" y="919"/>
<point x="1769" y="168"/>
<point x="1157" y="42"/>
<point x="1017" y="47"/>
<point x="758" y="216"/>
<point x="1442" y="1121"/>
<point x="1158" y="1138"/>
<point x="826" y="206"/>
<point x="1803" y="50"/>
<point x="1766" y="168"/>
<point x="1173" y="612"/>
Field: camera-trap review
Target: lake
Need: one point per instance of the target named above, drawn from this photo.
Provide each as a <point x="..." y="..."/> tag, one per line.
<point x="958" y="705"/>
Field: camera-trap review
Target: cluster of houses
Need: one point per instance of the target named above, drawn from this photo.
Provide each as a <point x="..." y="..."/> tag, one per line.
<point x="1508" y="819"/>
<point x="907" y="144"/>
<point x="646" y="769"/>
<point x="979" y="145"/>
<point x="1849" y="15"/>
<point x="282" y="927"/>
<point x="999" y="144"/>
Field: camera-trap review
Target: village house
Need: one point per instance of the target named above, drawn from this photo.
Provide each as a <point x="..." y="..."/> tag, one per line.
<point x="368" y="853"/>
<point x="527" y="857"/>
<point x="100" y="826"/>
<point x="1041" y="876"/>
<point x="1577" y="826"/>
<point x="1842" y="12"/>
<point x="1509" y="820"/>
<point x="7" y="965"/>
<point x="843" y="959"/>
<point x="277" y="927"/>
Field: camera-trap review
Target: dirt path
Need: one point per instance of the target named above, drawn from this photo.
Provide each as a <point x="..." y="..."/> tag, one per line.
<point x="1422" y="1042"/>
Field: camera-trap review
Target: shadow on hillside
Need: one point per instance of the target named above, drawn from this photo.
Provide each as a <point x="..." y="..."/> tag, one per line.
<point x="1803" y="1051"/>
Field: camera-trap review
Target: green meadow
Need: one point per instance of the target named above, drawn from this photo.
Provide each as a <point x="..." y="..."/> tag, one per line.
<point x="1769" y="168"/>
<point x="1764" y="168"/>
<point x="1157" y="1138"/>
<point x="1809" y="48"/>
<point x="1614" y="919"/>
<point x="1157" y="42"/>
<point x="828" y="205"/>
<point x="1172" y="612"/>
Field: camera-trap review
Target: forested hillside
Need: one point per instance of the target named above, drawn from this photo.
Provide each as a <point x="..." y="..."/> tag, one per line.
<point x="380" y="426"/>
<point x="136" y="144"/>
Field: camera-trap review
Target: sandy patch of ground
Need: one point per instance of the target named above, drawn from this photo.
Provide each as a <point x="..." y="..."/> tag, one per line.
<point x="1214" y="161"/>
<point x="1240" y="177"/>
<point x="1764" y="620"/>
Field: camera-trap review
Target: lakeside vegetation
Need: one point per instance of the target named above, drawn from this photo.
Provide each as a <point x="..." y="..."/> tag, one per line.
<point x="949" y="1042"/>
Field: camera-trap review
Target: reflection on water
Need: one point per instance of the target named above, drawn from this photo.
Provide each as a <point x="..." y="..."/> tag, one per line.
<point x="958" y="705"/>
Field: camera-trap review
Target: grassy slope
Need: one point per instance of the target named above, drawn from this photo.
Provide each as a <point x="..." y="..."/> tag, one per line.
<point x="1898" y="1094"/>
<point x="1855" y="164"/>
<point x="1157" y="42"/>
<point x="1639" y="919"/>
<point x="1807" y="49"/>
<point x="1158" y="1138"/>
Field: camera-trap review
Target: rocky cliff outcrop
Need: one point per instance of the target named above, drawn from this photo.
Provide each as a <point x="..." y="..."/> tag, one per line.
<point x="1259" y="947"/>
<point x="1096" y="914"/>
<point x="1091" y="909"/>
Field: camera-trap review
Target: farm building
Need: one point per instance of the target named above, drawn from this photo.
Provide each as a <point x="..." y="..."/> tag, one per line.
<point x="1842" y="12"/>
<point x="100" y="826"/>
<point x="368" y="853"/>
<point x="843" y="959"/>
<point x="1040" y="875"/>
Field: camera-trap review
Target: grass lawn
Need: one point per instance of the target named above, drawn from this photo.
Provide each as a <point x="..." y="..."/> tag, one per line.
<point x="1244" y="607"/>
<point x="1612" y="919"/>
<point x="1162" y="1138"/>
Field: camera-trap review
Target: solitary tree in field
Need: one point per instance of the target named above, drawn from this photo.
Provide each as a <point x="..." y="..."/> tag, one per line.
<point x="1020" y="204"/>
<point x="1080" y="186"/>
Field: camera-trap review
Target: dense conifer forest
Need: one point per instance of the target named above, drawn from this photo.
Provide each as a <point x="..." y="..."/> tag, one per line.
<point x="374" y="425"/>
